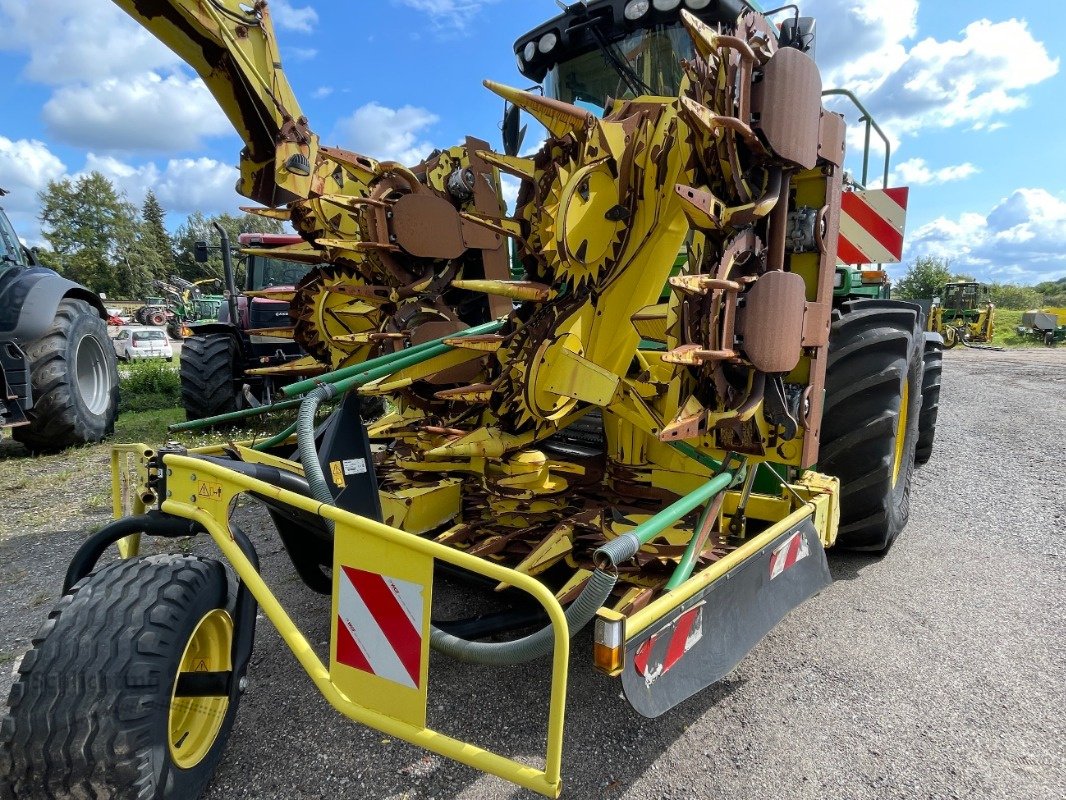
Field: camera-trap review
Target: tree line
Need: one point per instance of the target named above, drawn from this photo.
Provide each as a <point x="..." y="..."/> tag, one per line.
<point x="926" y="277"/>
<point x="97" y="237"/>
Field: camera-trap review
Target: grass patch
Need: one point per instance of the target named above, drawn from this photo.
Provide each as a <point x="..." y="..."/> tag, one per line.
<point x="150" y="386"/>
<point x="149" y="427"/>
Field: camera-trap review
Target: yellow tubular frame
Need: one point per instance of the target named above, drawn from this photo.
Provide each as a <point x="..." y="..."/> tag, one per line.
<point x="213" y="515"/>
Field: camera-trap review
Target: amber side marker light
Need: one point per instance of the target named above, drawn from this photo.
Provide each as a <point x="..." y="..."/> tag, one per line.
<point x="608" y="649"/>
<point x="872" y="276"/>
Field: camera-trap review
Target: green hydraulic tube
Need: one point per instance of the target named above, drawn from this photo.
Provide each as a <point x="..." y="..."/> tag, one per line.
<point x="276" y="439"/>
<point x="232" y="416"/>
<point x="381" y="361"/>
<point x="650" y="528"/>
<point x="683" y="571"/>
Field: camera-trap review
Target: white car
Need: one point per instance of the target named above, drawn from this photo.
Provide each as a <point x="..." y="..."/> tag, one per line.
<point x="134" y="343"/>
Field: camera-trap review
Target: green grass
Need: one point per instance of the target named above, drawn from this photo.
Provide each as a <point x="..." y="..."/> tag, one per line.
<point x="150" y="386"/>
<point x="146" y="426"/>
<point x="1006" y="332"/>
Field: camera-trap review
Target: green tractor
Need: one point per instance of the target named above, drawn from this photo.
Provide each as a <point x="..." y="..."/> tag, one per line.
<point x="964" y="314"/>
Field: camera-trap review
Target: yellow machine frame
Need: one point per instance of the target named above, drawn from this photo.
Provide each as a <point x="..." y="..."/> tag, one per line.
<point x="208" y="497"/>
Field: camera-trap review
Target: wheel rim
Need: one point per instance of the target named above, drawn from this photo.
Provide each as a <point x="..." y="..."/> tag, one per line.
<point x="90" y="369"/>
<point x="194" y="722"/>
<point x="901" y="431"/>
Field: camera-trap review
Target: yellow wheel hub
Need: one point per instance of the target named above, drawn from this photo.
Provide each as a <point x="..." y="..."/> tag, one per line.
<point x="195" y="721"/>
<point x="901" y="431"/>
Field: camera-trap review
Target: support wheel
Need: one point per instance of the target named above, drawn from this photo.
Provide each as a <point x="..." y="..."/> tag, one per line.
<point x="870" y="424"/>
<point x="931" y="371"/>
<point x="75" y="381"/>
<point x="209" y="375"/>
<point x="129" y="690"/>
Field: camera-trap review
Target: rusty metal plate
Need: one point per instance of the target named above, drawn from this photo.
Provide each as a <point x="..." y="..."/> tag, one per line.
<point x="789" y="104"/>
<point x="427" y="226"/>
<point x="831" y="142"/>
<point x="771" y="322"/>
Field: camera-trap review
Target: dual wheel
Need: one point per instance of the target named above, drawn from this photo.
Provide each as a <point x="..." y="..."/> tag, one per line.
<point x="137" y="654"/>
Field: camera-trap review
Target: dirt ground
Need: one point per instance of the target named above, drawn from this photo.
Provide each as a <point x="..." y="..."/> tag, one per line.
<point x="936" y="672"/>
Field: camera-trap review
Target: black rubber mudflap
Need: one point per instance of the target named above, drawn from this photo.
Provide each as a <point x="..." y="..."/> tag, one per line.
<point x="708" y="635"/>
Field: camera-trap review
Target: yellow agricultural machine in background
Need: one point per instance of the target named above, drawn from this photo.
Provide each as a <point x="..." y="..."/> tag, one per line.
<point x="744" y="425"/>
<point x="963" y="314"/>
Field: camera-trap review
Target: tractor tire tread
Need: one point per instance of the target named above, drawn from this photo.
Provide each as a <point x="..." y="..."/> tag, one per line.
<point x="208" y="370"/>
<point x="81" y="711"/>
<point x="874" y="346"/>
<point x="58" y="419"/>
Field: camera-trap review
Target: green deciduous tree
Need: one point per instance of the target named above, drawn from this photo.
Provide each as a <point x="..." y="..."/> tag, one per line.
<point x="1019" y="298"/>
<point x="924" y="279"/>
<point x="92" y="233"/>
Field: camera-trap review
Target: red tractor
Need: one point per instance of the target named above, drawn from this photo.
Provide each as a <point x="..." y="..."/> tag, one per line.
<point x="241" y="359"/>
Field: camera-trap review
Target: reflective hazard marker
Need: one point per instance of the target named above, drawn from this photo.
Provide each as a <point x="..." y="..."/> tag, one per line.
<point x="379" y="642"/>
<point x="786" y="554"/>
<point x="379" y="626"/>
<point x="656" y="656"/>
<point x="872" y="223"/>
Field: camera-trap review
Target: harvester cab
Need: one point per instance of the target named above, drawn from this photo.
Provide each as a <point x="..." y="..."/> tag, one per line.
<point x="682" y="535"/>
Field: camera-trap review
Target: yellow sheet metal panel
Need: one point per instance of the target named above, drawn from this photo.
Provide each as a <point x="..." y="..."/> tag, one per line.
<point x="420" y="509"/>
<point x="379" y="643"/>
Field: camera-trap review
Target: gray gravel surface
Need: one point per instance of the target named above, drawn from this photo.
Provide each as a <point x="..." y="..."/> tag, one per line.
<point x="936" y="672"/>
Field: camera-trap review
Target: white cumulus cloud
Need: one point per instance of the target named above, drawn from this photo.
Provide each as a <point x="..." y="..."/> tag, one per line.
<point x="75" y="40"/>
<point x="182" y="185"/>
<point x="448" y="17"/>
<point x="916" y="172"/>
<point x="140" y="112"/>
<point x="26" y="167"/>
<point x="387" y="133"/>
<point x="293" y="18"/>
<point x="910" y="84"/>
<point x="1019" y="240"/>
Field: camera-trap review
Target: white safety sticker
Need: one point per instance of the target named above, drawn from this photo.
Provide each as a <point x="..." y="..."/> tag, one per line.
<point x="354" y="466"/>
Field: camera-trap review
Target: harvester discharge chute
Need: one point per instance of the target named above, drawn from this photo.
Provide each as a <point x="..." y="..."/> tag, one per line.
<point x="684" y="521"/>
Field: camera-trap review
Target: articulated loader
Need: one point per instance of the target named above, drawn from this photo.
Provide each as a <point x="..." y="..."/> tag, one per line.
<point x="749" y="422"/>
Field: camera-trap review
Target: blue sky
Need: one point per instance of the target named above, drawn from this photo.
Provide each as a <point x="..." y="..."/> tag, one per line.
<point x="971" y="94"/>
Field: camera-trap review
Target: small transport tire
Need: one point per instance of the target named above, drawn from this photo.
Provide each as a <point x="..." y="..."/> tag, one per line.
<point x="75" y="381"/>
<point x="931" y="373"/>
<point x="128" y="691"/>
<point x="209" y="375"/>
<point x="870" y="423"/>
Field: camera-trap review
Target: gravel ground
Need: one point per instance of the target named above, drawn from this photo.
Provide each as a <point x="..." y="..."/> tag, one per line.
<point x="936" y="672"/>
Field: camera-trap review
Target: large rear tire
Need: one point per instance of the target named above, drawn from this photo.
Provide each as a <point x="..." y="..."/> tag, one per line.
<point x="129" y="691"/>
<point x="209" y="375"/>
<point x="870" y="423"/>
<point x="75" y="381"/>
<point x="931" y="373"/>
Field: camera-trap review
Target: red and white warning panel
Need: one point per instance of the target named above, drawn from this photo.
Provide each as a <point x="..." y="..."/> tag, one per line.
<point x="786" y="554"/>
<point x="379" y="626"/>
<point x="872" y="223"/>
<point x="657" y="656"/>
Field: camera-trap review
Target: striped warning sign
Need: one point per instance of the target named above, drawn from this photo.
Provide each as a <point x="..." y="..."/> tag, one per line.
<point x="656" y="656"/>
<point x="379" y="625"/>
<point x="871" y="226"/>
<point x="786" y="554"/>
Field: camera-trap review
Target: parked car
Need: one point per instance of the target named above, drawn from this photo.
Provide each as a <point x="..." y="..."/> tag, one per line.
<point x="133" y="343"/>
